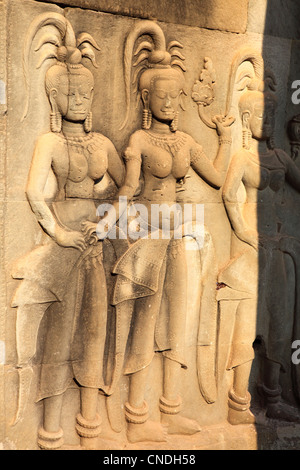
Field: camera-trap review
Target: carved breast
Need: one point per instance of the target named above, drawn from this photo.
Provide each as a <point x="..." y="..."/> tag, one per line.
<point x="277" y="179"/>
<point x="97" y="164"/>
<point x="158" y="163"/>
<point x="276" y="171"/>
<point x="167" y="155"/>
<point x="87" y="159"/>
<point x="181" y="164"/>
<point x="78" y="166"/>
<point x="267" y="172"/>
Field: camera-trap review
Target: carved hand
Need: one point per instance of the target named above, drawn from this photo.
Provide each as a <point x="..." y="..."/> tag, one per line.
<point x="89" y="231"/>
<point x="98" y="231"/>
<point x="70" y="239"/>
<point x="223" y="124"/>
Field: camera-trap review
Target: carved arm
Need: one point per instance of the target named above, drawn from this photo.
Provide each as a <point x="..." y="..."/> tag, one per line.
<point x="214" y="173"/>
<point x="38" y="175"/>
<point x="234" y="208"/>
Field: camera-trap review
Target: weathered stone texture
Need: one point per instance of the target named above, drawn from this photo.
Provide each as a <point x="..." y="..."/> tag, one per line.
<point x="202" y="127"/>
<point x="226" y="15"/>
<point x="274" y="18"/>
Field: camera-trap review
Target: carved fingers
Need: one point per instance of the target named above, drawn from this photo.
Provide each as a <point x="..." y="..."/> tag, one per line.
<point x="223" y="124"/>
<point x="89" y="231"/>
<point x="70" y="239"/>
<point x="77" y="241"/>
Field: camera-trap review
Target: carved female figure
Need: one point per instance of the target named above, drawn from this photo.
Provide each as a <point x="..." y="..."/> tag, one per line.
<point x="67" y="270"/>
<point x="155" y="269"/>
<point x="263" y="170"/>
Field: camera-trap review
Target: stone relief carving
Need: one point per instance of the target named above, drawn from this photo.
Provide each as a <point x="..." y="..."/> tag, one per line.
<point x="65" y="296"/>
<point x="293" y="132"/>
<point x="65" y="277"/>
<point x="255" y="279"/>
<point x="163" y="154"/>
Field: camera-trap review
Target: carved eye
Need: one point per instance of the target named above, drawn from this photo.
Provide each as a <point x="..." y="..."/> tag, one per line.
<point x="161" y="95"/>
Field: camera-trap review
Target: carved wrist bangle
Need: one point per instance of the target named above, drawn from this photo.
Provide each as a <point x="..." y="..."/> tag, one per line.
<point x="225" y="140"/>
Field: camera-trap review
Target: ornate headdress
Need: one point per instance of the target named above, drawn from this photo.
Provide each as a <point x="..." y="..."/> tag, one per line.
<point x="260" y="85"/>
<point x="153" y="58"/>
<point x="65" y="47"/>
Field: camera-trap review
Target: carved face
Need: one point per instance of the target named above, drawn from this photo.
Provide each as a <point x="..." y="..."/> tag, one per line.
<point x="260" y="119"/>
<point x="73" y="97"/>
<point x="163" y="98"/>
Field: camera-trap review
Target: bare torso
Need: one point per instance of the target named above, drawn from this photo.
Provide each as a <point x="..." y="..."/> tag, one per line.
<point x="263" y="178"/>
<point x="165" y="160"/>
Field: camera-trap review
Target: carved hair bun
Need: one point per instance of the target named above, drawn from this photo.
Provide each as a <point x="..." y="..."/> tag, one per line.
<point x="160" y="57"/>
<point x="75" y="56"/>
<point x="62" y="54"/>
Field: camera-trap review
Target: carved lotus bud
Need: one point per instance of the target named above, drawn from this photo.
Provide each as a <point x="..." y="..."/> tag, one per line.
<point x="202" y="94"/>
<point x="203" y="89"/>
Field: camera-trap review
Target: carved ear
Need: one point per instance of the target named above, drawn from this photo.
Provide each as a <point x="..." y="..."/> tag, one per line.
<point x="145" y="95"/>
<point x="92" y="94"/>
<point x="181" y="99"/>
<point x="52" y="99"/>
<point x="245" y="119"/>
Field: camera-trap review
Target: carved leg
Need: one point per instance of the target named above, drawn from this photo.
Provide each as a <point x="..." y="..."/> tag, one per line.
<point x="278" y="334"/>
<point x="139" y="427"/>
<point x="271" y="391"/>
<point x="176" y="295"/>
<point x="239" y="397"/>
<point x="242" y="354"/>
<point x="239" y="412"/>
<point x="88" y="422"/>
<point x="170" y="403"/>
<point x="50" y="436"/>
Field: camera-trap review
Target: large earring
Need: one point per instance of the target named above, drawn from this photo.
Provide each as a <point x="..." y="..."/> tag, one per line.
<point x="88" y="123"/>
<point x="247" y="136"/>
<point x="55" y="122"/>
<point x="271" y="143"/>
<point x="174" y="123"/>
<point x="147" y="119"/>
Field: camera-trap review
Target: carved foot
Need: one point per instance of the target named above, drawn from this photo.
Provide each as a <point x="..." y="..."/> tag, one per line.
<point x="283" y="411"/>
<point x="239" y="412"/>
<point x="89" y="431"/>
<point x="139" y="428"/>
<point x="240" y="417"/>
<point x="276" y="407"/>
<point x="148" y="431"/>
<point x="50" y="440"/>
<point x="268" y="395"/>
<point x="176" y="423"/>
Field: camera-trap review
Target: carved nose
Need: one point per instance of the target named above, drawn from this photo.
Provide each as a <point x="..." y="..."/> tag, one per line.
<point x="167" y="102"/>
<point x="78" y="99"/>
